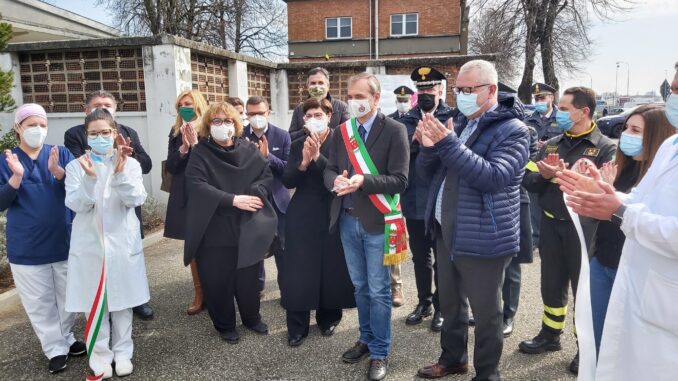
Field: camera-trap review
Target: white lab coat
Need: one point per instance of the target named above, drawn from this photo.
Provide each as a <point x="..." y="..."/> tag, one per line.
<point x="107" y="202"/>
<point x="640" y="338"/>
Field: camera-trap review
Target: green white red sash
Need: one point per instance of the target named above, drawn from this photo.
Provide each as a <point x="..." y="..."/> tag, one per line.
<point x="395" y="235"/>
<point x="96" y="313"/>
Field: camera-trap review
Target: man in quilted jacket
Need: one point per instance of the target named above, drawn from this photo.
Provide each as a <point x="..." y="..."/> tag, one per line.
<point x="475" y="165"/>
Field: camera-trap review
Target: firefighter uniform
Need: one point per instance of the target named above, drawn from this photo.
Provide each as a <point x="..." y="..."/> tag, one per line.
<point x="559" y="246"/>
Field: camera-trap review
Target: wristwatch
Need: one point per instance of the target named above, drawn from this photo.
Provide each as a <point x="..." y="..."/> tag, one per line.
<point x="618" y="215"/>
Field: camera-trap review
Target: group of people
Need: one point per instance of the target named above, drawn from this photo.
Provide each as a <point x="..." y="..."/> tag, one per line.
<point x="472" y="190"/>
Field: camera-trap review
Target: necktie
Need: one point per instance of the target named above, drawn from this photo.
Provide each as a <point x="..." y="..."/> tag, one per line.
<point x="362" y="132"/>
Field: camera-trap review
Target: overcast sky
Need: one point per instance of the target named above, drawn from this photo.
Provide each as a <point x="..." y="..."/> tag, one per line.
<point x="645" y="38"/>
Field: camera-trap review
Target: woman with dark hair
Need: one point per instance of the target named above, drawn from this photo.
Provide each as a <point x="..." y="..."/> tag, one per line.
<point x="231" y="221"/>
<point x="646" y="128"/>
<point x="103" y="187"/>
<point x="316" y="277"/>
<point x="190" y="107"/>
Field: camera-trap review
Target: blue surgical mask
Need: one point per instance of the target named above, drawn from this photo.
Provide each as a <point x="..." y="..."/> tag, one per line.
<point x="631" y="145"/>
<point x="564" y="121"/>
<point x="672" y="109"/>
<point x="541" y="107"/>
<point x="467" y="103"/>
<point x="100" y="145"/>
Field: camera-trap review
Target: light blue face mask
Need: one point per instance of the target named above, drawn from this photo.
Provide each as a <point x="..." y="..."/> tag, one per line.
<point x="466" y="103"/>
<point x="671" y="110"/>
<point x="100" y="145"/>
<point x="564" y="121"/>
<point x="541" y="107"/>
<point x="631" y="145"/>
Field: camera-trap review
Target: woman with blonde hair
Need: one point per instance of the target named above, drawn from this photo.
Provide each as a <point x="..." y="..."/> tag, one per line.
<point x="232" y="222"/>
<point x="190" y="106"/>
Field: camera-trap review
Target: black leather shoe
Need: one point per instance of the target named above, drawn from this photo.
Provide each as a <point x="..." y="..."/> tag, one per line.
<point x="437" y="322"/>
<point x="541" y="343"/>
<point x="57" y="363"/>
<point x="356" y="353"/>
<point x="296" y="340"/>
<point x="574" y="365"/>
<point x="260" y="328"/>
<point x="77" y="349"/>
<point x="418" y="314"/>
<point x="231" y="336"/>
<point x="143" y="312"/>
<point x="377" y="370"/>
<point x="328" y="331"/>
<point x="508" y="327"/>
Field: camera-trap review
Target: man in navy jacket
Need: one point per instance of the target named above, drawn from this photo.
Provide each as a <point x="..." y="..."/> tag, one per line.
<point x="473" y="211"/>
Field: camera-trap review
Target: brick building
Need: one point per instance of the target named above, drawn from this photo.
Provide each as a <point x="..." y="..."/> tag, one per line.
<point x="348" y="29"/>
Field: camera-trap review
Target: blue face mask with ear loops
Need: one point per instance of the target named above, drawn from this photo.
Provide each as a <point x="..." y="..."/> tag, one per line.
<point x="100" y="145"/>
<point x="564" y="121"/>
<point x="631" y="145"/>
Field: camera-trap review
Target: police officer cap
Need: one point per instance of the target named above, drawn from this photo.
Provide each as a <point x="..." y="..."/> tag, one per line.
<point x="506" y="88"/>
<point x="542" y="88"/>
<point x="425" y="77"/>
<point x="403" y="93"/>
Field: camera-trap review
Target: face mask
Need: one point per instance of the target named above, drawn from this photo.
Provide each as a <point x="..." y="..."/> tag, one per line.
<point x="541" y="107"/>
<point x="671" y="110"/>
<point x="100" y="145"/>
<point x="258" y="122"/>
<point x="426" y="102"/>
<point x="317" y="126"/>
<point x="467" y="103"/>
<point x="564" y="121"/>
<point x="403" y="107"/>
<point x="222" y="133"/>
<point x="317" y="91"/>
<point x="631" y="145"/>
<point x="34" y="136"/>
<point x="359" y="107"/>
<point x="245" y="121"/>
<point x="110" y="110"/>
<point x="187" y="113"/>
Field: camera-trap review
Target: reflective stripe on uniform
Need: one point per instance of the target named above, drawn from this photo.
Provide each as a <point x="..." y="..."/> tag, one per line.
<point x="549" y="215"/>
<point x="556" y="311"/>
<point x="553" y="324"/>
<point x="532" y="166"/>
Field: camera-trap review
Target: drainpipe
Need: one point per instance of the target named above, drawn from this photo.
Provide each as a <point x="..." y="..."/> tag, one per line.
<point x="369" y="5"/>
<point x="376" y="29"/>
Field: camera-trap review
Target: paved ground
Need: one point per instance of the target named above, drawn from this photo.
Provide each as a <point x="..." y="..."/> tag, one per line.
<point x="175" y="346"/>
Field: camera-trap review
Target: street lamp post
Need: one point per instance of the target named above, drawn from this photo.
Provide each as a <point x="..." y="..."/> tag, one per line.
<point x="616" y="76"/>
<point x="628" y="75"/>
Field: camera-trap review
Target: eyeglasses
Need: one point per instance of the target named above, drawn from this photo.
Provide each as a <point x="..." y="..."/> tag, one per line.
<point x="253" y="114"/>
<point x="467" y="90"/>
<point x="317" y="115"/>
<point x="104" y="133"/>
<point x="219" y="122"/>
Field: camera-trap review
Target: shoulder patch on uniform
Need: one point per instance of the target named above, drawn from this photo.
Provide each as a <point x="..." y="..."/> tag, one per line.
<point x="592" y="152"/>
<point x="551" y="149"/>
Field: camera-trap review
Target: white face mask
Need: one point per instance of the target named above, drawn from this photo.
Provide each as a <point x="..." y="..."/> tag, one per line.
<point x="34" y="136"/>
<point x="359" y="107"/>
<point x="222" y="133"/>
<point x="258" y="122"/>
<point x="245" y="121"/>
<point x="403" y="107"/>
<point x="317" y="126"/>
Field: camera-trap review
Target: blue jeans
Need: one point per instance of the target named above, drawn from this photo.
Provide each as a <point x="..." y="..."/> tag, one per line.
<point x="602" y="279"/>
<point x="364" y="254"/>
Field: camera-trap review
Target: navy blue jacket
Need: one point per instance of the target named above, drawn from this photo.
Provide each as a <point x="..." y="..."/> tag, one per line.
<point x="481" y="202"/>
<point x="413" y="200"/>
<point x="279" y="144"/>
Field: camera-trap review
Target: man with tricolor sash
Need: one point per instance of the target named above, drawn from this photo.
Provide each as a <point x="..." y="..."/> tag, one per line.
<point x="367" y="170"/>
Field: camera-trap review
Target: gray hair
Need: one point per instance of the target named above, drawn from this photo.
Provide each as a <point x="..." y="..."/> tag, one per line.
<point x="318" y="70"/>
<point x="99" y="94"/>
<point x="372" y="81"/>
<point x="486" y="71"/>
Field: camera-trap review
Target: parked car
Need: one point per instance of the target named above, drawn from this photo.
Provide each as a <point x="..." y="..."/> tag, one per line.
<point x="612" y="125"/>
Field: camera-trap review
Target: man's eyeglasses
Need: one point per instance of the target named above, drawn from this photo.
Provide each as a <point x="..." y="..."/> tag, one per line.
<point x="467" y="90"/>
<point x="104" y="133"/>
<point x="219" y="122"/>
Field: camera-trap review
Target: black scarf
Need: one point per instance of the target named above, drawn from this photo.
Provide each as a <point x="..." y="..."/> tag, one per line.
<point x="239" y="169"/>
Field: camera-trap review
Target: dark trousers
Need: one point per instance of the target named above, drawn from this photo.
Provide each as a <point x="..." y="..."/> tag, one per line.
<point x="560" y="254"/>
<point x="299" y="321"/>
<point x="479" y="281"/>
<point x="278" y="249"/>
<point x="510" y="292"/>
<point x="222" y="281"/>
<point x="424" y="263"/>
<point x="536" y="214"/>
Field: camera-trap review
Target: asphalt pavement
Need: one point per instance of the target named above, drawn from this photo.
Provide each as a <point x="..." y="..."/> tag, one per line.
<point x="175" y="346"/>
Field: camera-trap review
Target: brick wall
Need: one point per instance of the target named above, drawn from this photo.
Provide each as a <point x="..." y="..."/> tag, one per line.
<point x="210" y="76"/>
<point x="60" y="80"/>
<point x="438" y="17"/>
<point x="296" y="81"/>
<point x="259" y="81"/>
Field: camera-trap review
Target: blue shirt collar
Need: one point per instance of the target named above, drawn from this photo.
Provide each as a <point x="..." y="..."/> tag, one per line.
<point x="368" y="125"/>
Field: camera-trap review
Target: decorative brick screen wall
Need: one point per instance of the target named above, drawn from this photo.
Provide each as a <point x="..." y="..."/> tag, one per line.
<point x="259" y="81"/>
<point x="210" y="76"/>
<point x="60" y="81"/>
<point x="296" y="81"/>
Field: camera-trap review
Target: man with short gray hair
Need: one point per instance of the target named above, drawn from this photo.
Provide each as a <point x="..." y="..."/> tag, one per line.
<point x="475" y="165"/>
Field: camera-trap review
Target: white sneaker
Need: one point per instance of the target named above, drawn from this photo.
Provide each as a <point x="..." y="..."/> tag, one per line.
<point x="123" y="368"/>
<point x="108" y="371"/>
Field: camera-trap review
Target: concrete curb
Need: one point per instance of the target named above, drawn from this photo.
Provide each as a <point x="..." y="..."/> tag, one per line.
<point x="10" y="299"/>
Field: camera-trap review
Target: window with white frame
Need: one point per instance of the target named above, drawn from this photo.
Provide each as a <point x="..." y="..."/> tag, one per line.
<point x="338" y="27"/>
<point x="406" y="24"/>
